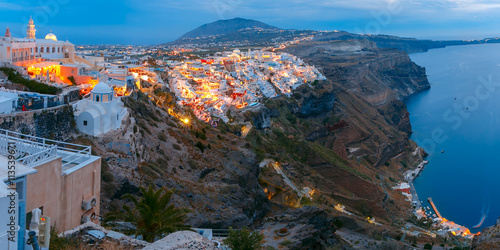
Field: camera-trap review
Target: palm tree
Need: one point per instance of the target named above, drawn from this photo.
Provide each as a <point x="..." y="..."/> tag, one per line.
<point x="152" y="215"/>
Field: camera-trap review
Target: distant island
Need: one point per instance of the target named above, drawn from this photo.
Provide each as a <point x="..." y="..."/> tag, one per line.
<point x="251" y="32"/>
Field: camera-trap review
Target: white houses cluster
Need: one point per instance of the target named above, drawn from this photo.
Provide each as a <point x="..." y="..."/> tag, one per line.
<point x="211" y="86"/>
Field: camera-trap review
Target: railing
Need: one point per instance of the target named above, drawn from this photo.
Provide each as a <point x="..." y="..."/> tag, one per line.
<point x="31" y="149"/>
<point x="22" y="58"/>
<point x="220" y="233"/>
<point x="25" y="151"/>
<point x="42" y="155"/>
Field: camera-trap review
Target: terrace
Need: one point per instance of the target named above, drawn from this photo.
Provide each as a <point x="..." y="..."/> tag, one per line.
<point x="33" y="151"/>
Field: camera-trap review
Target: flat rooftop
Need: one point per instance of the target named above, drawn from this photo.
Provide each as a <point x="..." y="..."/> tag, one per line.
<point x="20" y="169"/>
<point x="31" y="151"/>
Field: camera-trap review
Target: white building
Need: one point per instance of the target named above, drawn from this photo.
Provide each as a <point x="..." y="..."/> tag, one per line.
<point x="8" y="102"/>
<point x="101" y="113"/>
<point x="21" y="51"/>
<point x="56" y="177"/>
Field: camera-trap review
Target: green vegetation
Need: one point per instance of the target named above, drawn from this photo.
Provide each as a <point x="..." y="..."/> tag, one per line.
<point x="152" y="215"/>
<point x="291" y="118"/>
<point x="339" y="224"/>
<point x="333" y="158"/>
<point x="162" y="137"/>
<point x="62" y="242"/>
<point x="200" y="146"/>
<point x="202" y="135"/>
<point x="31" y="85"/>
<point x="243" y="239"/>
<point x="72" y="80"/>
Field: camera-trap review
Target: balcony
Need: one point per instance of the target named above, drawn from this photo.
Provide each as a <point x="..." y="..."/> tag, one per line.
<point x="31" y="151"/>
<point x="23" y="58"/>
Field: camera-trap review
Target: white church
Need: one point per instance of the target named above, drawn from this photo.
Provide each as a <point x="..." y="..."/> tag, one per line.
<point x="28" y="50"/>
<point x="101" y="113"/>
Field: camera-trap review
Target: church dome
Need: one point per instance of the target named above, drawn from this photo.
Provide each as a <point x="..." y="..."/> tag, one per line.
<point x="51" y="36"/>
<point x="101" y="88"/>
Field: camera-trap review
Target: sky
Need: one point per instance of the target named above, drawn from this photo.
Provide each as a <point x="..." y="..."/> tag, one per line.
<point x="160" y="21"/>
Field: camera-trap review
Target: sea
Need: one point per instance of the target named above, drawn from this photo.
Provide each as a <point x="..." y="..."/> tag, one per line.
<point x="457" y="121"/>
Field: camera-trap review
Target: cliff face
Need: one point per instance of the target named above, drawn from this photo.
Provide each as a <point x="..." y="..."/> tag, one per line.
<point x="347" y="137"/>
<point x="376" y="75"/>
<point x="488" y="239"/>
<point x="212" y="170"/>
<point x="369" y="85"/>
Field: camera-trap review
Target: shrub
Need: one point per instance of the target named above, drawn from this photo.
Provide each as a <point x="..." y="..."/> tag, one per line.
<point x="162" y="137"/>
<point x="338" y="224"/>
<point x="72" y="80"/>
<point x="57" y="242"/>
<point x="243" y="239"/>
<point x="32" y="85"/>
<point x="286" y="242"/>
<point x="200" y="146"/>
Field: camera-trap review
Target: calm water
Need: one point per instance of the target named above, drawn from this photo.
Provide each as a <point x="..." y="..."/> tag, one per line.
<point x="464" y="181"/>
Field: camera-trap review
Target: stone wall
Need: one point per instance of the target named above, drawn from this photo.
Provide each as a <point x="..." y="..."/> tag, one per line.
<point x="55" y="123"/>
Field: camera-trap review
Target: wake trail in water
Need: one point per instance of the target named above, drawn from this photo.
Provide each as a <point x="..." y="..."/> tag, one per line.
<point x="483" y="217"/>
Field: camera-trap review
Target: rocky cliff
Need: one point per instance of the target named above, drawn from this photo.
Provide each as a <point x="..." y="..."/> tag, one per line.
<point x="56" y="123"/>
<point x="347" y="138"/>
<point x="213" y="171"/>
<point x="488" y="239"/>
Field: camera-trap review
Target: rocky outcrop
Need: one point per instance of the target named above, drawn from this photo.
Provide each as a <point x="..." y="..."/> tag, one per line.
<point x="307" y="227"/>
<point x="314" y="105"/>
<point x="182" y="240"/>
<point x="488" y="239"/>
<point x="262" y="118"/>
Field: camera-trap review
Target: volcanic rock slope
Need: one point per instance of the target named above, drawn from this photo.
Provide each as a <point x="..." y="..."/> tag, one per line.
<point x="347" y="137"/>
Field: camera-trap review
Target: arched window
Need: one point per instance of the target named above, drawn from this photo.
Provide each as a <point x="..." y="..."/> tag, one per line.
<point x="48" y="50"/>
<point x="97" y="98"/>
<point x="58" y="49"/>
<point x="41" y="49"/>
<point x="53" y="49"/>
<point x="36" y="49"/>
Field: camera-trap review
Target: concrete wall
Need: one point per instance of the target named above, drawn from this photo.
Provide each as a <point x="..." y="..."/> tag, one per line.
<point x="90" y="127"/>
<point x="62" y="196"/>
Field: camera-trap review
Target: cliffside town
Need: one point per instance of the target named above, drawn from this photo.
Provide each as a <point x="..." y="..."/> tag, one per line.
<point x="302" y="139"/>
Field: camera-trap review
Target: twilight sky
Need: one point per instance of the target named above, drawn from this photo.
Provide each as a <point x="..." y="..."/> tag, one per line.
<point x="159" y="21"/>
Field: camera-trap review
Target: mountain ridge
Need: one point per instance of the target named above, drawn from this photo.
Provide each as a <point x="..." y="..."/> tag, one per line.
<point x="222" y="27"/>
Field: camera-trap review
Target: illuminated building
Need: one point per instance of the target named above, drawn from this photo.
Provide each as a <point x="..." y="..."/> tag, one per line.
<point x="101" y="113"/>
<point x="42" y="56"/>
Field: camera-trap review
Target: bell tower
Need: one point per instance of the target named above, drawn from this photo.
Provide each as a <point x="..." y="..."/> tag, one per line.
<point x="30" y="32"/>
<point x="7" y="32"/>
